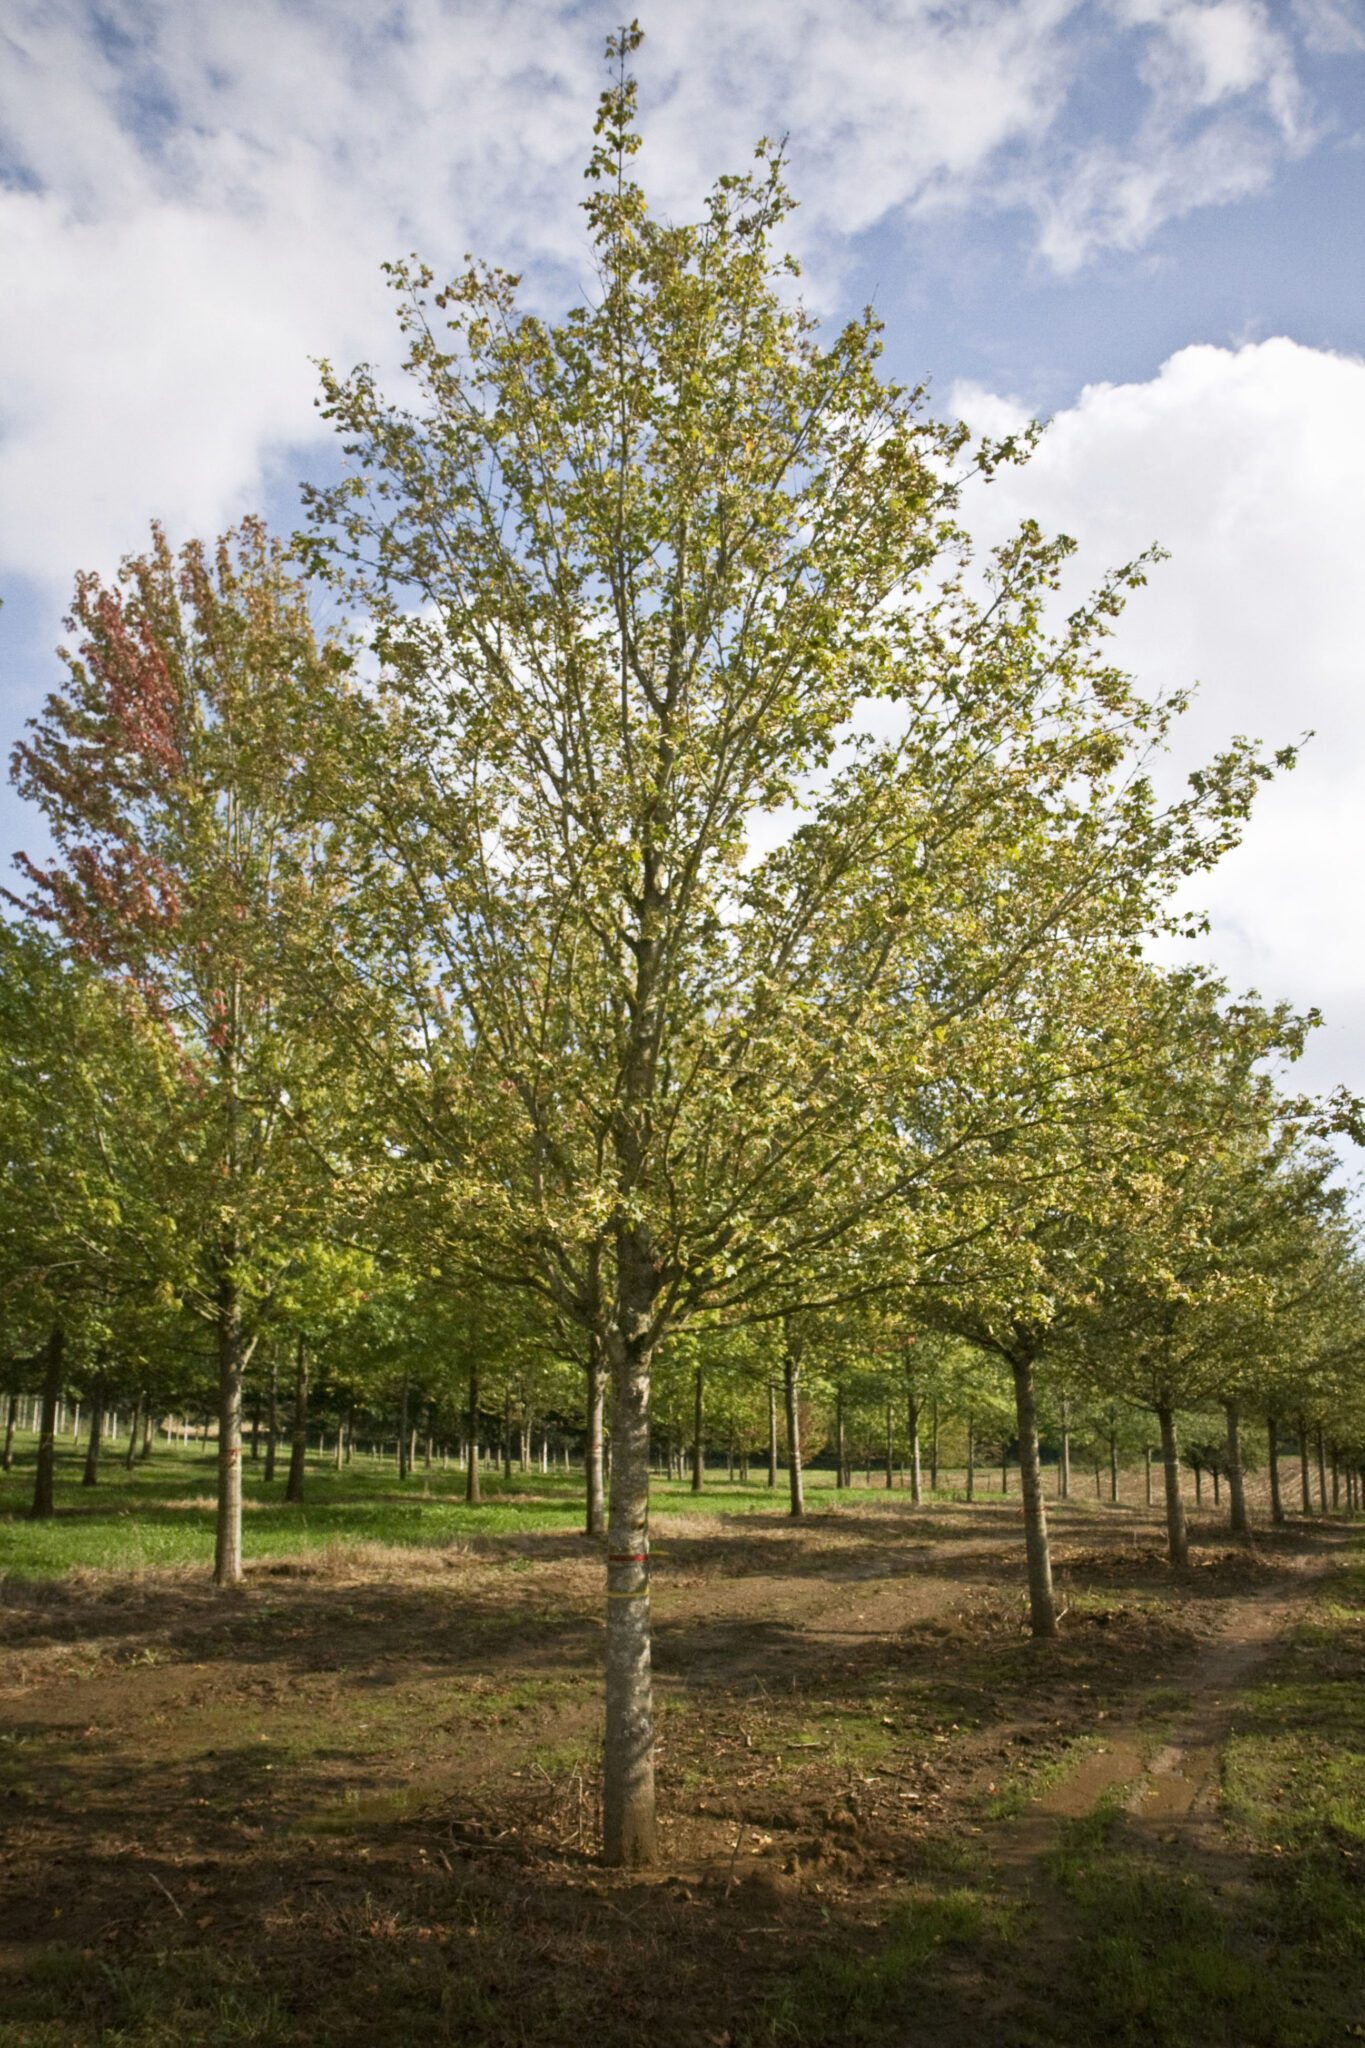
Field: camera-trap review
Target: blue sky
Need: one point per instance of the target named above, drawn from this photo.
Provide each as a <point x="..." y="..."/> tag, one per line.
<point x="1144" y="218"/>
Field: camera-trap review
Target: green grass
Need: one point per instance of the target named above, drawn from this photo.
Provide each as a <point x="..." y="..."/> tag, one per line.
<point x="849" y="1996"/>
<point x="162" y="1512"/>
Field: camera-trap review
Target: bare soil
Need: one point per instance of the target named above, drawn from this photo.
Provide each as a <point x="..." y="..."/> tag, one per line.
<point x="370" y="1779"/>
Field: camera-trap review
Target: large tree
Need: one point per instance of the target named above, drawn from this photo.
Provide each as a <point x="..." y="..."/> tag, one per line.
<point x="179" y="773"/>
<point x="633" y="575"/>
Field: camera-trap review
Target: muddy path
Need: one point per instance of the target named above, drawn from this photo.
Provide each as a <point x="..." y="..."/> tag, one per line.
<point x="372" y="1762"/>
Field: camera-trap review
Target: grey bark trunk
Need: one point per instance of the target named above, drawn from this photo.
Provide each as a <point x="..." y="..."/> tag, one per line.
<point x="471" y="1469"/>
<point x="1237" y="1498"/>
<point x="1064" y="1464"/>
<point x="11" y="1424"/>
<point x="772" y="1434"/>
<point x="227" y="1556"/>
<point x="629" y="1836"/>
<point x="840" y="1443"/>
<point x="298" y="1443"/>
<point x="1177" y="1535"/>
<point x="1272" y="1432"/>
<point x="44" y="1489"/>
<point x="404" y="1448"/>
<point x="698" y="1453"/>
<point x="91" y="1474"/>
<point x="912" y="1431"/>
<point x="1304" y="1489"/>
<point x="1322" y="1473"/>
<point x="272" y="1423"/>
<point x="1042" y="1608"/>
<point x="791" y="1373"/>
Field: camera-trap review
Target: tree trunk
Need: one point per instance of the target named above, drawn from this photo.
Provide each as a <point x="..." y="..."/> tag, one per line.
<point x="791" y="1372"/>
<point x="272" y="1423"/>
<point x="403" y="1447"/>
<point x="1304" y="1489"/>
<point x="933" y="1446"/>
<point x="1322" y="1472"/>
<point x="596" y="1524"/>
<point x="912" y="1432"/>
<point x="1113" y="1465"/>
<point x="1237" y="1498"/>
<point x="698" y="1453"/>
<point x="840" y="1443"/>
<point x="146" y="1450"/>
<point x="255" y="1429"/>
<point x="1148" y="1456"/>
<point x="629" y="1836"/>
<point x="1042" y="1609"/>
<point x="11" y="1423"/>
<point x="1177" y="1536"/>
<point x="1217" y="1492"/>
<point x="1198" y="1482"/>
<point x="772" y="1434"/>
<point x="971" y="1458"/>
<point x="298" y="1446"/>
<point x="507" y="1438"/>
<point x="1064" y="1463"/>
<point x="1004" y="1468"/>
<point x="227" y="1558"/>
<point x="890" y="1446"/>
<point x="91" y="1474"/>
<point x="54" y="1360"/>
<point x="1272" y="1432"/>
<point x="471" y="1467"/>
<point x="135" y="1422"/>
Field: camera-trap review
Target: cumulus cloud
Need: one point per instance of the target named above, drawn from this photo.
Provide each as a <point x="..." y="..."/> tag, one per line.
<point x="194" y="198"/>
<point x="1243" y="464"/>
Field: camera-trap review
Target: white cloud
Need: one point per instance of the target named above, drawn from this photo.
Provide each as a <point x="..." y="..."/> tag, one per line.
<point x="1244" y="465"/>
<point x="202" y="194"/>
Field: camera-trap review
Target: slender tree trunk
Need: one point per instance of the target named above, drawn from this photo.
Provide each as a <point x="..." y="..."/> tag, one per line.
<point x="507" y="1437"/>
<point x="1113" y="1465"/>
<point x="403" y="1447"/>
<point x="1217" y="1491"/>
<point x="1177" y="1535"/>
<point x="227" y="1560"/>
<point x="628" y="1821"/>
<point x="471" y="1468"/>
<point x="1272" y="1433"/>
<point x="698" y="1452"/>
<point x="791" y="1373"/>
<point x="840" y="1445"/>
<point x="1147" y="1455"/>
<point x="1004" y="1468"/>
<point x="255" y="1429"/>
<point x="933" y="1446"/>
<point x="890" y="1446"/>
<point x="772" y="1434"/>
<point x="1304" y="1488"/>
<point x="1042" y="1609"/>
<point x="1336" y="1479"/>
<point x="11" y="1424"/>
<point x="134" y="1423"/>
<point x="44" y="1490"/>
<point x="596" y="1524"/>
<point x="912" y="1433"/>
<point x="91" y="1474"/>
<point x="272" y="1423"/>
<point x="1198" y="1482"/>
<point x="1237" y="1497"/>
<point x="1322" y="1472"/>
<point x="1064" y="1463"/>
<point x="971" y="1457"/>
<point x="339" y="1449"/>
<point x="146" y="1450"/>
<point x="298" y="1447"/>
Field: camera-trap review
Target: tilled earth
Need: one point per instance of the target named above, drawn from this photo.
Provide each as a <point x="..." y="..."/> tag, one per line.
<point x="358" y="1801"/>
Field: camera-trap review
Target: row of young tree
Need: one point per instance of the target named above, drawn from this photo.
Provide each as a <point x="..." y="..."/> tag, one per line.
<point x="688" y="928"/>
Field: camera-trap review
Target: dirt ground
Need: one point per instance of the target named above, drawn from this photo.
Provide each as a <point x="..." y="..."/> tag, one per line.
<point x="358" y="1801"/>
